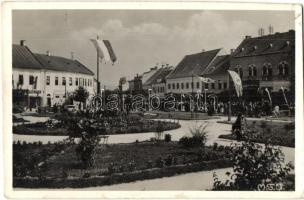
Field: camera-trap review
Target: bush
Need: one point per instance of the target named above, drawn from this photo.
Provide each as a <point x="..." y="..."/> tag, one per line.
<point x="253" y="166"/>
<point x="167" y="138"/>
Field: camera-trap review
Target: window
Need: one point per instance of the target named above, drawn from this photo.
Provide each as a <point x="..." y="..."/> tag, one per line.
<point x="56" y="80"/>
<point x="225" y="85"/>
<point x="182" y="86"/>
<point x="212" y="85"/>
<point x="197" y="85"/>
<point x="250" y="71"/>
<point x="31" y="80"/>
<point x="255" y="71"/>
<point x="70" y="81"/>
<point x="283" y="68"/>
<point x="219" y="86"/>
<point x="76" y="81"/>
<point x="192" y="86"/>
<point x="239" y="70"/>
<point x="173" y="86"/>
<point x="48" y="80"/>
<point x="267" y="69"/>
<point x="63" y="81"/>
<point x="169" y="86"/>
<point x="20" y="79"/>
<point x="177" y="85"/>
<point x="206" y="86"/>
<point x="187" y="85"/>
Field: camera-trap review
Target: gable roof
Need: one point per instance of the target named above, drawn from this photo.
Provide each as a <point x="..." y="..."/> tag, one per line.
<point x="220" y="65"/>
<point x="266" y="44"/>
<point x="160" y="76"/>
<point x="57" y="63"/>
<point x="193" y="64"/>
<point x="24" y="58"/>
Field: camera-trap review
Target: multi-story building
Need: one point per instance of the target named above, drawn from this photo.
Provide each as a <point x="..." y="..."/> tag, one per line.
<point x="217" y="71"/>
<point x="185" y="78"/>
<point x="266" y="61"/>
<point x="47" y="80"/>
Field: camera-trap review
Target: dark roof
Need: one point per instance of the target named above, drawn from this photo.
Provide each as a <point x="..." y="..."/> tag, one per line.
<point x="220" y="65"/>
<point x="24" y="58"/>
<point x="262" y="45"/>
<point x="193" y="64"/>
<point x="160" y="75"/>
<point x="57" y="63"/>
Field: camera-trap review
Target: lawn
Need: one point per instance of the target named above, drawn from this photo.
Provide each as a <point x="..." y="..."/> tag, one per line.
<point x="119" y="163"/>
<point x="273" y="132"/>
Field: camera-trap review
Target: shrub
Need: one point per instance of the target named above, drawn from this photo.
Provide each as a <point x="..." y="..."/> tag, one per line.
<point x="167" y="138"/>
<point x="253" y="166"/>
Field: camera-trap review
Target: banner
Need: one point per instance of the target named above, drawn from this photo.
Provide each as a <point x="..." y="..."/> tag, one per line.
<point x="104" y="49"/>
<point x="237" y="82"/>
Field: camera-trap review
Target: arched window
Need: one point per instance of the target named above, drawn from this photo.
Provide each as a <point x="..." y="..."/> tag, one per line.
<point x="250" y="71"/>
<point x="238" y="69"/>
<point x="265" y="70"/>
<point x="283" y="68"/>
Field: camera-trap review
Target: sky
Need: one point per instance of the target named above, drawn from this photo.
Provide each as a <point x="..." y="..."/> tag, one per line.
<point x="141" y="39"/>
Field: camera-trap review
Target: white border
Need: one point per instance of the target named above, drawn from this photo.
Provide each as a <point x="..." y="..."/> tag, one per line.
<point x="7" y="8"/>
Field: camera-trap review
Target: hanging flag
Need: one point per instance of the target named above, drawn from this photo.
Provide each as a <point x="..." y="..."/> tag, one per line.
<point x="284" y="95"/>
<point x="104" y="49"/>
<point x="206" y="80"/>
<point x="266" y="89"/>
<point x="237" y="82"/>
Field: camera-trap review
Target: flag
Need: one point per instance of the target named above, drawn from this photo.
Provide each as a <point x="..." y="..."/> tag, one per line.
<point x="266" y="89"/>
<point x="237" y="82"/>
<point x="104" y="49"/>
<point x="206" y="80"/>
<point x="284" y="95"/>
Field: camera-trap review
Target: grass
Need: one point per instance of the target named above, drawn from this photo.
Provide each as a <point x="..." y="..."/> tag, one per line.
<point x="276" y="133"/>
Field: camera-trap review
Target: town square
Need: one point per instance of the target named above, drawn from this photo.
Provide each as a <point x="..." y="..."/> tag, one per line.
<point x="124" y="100"/>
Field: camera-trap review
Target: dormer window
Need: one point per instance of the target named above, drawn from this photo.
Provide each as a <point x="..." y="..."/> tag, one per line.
<point x="287" y="43"/>
<point x="255" y="47"/>
<point x="242" y="49"/>
<point x="270" y="45"/>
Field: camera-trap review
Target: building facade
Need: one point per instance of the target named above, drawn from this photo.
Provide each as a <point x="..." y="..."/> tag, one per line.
<point x="48" y="80"/>
<point x="185" y="78"/>
<point x="265" y="61"/>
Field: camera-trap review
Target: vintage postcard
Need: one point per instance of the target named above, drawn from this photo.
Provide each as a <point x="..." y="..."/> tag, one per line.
<point x="153" y="100"/>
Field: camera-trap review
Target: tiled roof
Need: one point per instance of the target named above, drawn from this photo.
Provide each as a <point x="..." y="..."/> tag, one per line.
<point x="160" y="75"/>
<point x="273" y="43"/>
<point x="24" y="58"/>
<point x="220" y="65"/>
<point x="57" y="63"/>
<point x="193" y="64"/>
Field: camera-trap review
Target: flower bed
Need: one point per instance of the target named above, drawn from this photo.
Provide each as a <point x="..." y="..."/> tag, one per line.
<point x="119" y="163"/>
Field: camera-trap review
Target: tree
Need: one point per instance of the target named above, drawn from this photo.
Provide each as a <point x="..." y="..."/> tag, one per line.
<point x="81" y="95"/>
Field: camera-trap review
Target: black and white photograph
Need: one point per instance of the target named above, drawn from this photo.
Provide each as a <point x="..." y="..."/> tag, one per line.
<point x="154" y="99"/>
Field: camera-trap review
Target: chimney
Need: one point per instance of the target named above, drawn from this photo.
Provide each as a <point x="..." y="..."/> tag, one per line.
<point x="22" y="42"/>
<point x="48" y="53"/>
<point x="203" y="50"/>
<point x="232" y="51"/>
<point x="247" y="36"/>
<point x="270" y="29"/>
<point x="72" y="55"/>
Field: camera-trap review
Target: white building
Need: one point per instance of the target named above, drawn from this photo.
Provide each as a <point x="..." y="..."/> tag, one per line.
<point x="185" y="77"/>
<point x="47" y="79"/>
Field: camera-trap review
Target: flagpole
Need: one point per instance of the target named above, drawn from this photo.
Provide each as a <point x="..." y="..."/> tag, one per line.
<point x="229" y="101"/>
<point x="98" y="83"/>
